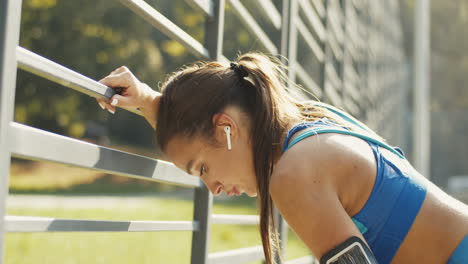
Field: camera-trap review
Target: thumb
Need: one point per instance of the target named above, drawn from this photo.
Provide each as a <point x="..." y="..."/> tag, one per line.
<point x="120" y="101"/>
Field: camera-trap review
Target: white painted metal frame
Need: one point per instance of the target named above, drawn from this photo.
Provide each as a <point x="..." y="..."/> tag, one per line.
<point x="10" y="13"/>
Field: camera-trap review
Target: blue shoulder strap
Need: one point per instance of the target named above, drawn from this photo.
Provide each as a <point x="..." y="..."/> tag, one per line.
<point x="319" y="130"/>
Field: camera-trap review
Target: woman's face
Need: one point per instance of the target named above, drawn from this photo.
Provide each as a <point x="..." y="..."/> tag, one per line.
<point x="231" y="171"/>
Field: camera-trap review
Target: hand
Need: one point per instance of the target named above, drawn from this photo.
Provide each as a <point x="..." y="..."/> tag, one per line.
<point x="131" y="93"/>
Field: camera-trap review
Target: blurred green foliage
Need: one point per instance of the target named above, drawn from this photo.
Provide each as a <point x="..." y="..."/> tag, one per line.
<point x="94" y="38"/>
<point x="88" y="37"/>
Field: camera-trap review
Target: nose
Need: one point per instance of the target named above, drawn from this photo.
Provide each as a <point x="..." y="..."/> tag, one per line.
<point x="215" y="187"/>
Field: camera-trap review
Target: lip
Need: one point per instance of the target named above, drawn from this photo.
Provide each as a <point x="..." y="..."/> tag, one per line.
<point x="232" y="192"/>
<point x="236" y="191"/>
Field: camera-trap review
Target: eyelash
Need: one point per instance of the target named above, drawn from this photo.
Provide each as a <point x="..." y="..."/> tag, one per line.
<point x="202" y="169"/>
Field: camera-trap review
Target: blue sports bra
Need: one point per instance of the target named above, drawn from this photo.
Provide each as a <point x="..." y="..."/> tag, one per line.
<point x="396" y="197"/>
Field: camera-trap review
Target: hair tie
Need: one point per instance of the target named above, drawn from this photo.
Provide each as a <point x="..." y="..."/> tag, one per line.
<point x="239" y="69"/>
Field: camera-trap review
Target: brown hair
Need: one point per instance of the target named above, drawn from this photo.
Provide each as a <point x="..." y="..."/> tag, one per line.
<point x="192" y="95"/>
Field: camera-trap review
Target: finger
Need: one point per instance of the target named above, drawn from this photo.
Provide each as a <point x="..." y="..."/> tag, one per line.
<point x="111" y="109"/>
<point x="117" y="80"/>
<point x="120" y="70"/>
<point x="101" y="104"/>
<point x="120" y="101"/>
<point x="107" y="106"/>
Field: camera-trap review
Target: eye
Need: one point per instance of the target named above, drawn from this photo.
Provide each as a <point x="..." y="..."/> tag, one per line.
<point x="202" y="170"/>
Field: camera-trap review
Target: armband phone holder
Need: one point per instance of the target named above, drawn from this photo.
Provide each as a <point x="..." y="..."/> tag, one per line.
<point x="351" y="251"/>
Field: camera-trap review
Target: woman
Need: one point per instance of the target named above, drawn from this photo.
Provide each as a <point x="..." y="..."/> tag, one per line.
<point x="349" y="196"/>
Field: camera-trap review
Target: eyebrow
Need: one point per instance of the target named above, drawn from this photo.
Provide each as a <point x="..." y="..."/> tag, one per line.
<point x="189" y="166"/>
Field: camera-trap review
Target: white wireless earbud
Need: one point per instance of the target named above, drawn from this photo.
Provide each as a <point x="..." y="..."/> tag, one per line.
<point x="227" y="129"/>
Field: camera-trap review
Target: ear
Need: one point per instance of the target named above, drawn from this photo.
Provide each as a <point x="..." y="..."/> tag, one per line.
<point x="220" y="120"/>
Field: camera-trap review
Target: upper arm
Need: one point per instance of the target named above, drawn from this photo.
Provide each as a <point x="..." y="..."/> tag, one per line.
<point x="305" y="193"/>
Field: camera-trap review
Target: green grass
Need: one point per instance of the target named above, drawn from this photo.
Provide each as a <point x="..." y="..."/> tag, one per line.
<point x="141" y="247"/>
<point x="118" y="247"/>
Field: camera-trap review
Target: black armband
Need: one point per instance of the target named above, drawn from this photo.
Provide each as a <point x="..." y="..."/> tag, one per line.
<point x="351" y="251"/>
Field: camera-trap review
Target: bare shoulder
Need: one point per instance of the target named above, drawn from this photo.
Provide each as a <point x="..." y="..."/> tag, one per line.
<point x="328" y="153"/>
<point x="310" y="180"/>
<point x="339" y="163"/>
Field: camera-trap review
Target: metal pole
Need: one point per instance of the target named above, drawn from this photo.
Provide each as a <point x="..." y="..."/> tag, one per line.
<point x="422" y="125"/>
<point x="292" y="42"/>
<point x="346" y="60"/>
<point x="10" y="14"/>
<point x="326" y="49"/>
<point x="283" y="43"/>
<point x="203" y="199"/>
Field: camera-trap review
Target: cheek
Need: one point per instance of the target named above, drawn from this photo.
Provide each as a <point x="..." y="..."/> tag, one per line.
<point x="242" y="170"/>
<point x="226" y="172"/>
<point x="226" y="168"/>
<point x="233" y="167"/>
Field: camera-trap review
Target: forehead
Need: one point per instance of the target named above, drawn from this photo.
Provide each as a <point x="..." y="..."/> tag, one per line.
<point x="181" y="150"/>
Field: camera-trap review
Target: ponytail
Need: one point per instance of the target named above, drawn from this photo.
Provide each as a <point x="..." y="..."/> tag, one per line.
<point x="272" y="103"/>
<point x="256" y="84"/>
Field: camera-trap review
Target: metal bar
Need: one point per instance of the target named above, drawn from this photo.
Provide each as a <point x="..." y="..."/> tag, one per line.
<point x="307" y="80"/>
<point x="332" y="94"/>
<point x="203" y="202"/>
<point x="333" y="76"/>
<point x="287" y="20"/>
<point x="302" y="260"/>
<point x="421" y="83"/>
<point x="292" y="43"/>
<point x="282" y="228"/>
<point x="320" y="7"/>
<point x="326" y="50"/>
<point x="350" y="89"/>
<point x="220" y="219"/>
<point x="311" y="42"/>
<point x="313" y="18"/>
<point x="354" y="53"/>
<point x="365" y="64"/>
<point x="28" y="142"/>
<point x="350" y="106"/>
<point x="203" y="199"/>
<point x="237" y="256"/>
<point x="334" y="45"/>
<point x="57" y="73"/>
<point x="335" y="24"/>
<point x="347" y="60"/>
<point x="268" y="10"/>
<point x="355" y="31"/>
<point x="156" y="19"/>
<point x="214" y="31"/>
<point x="368" y="67"/>
<point x="284" y="37"/>
<point x="253" y="26"/>
<point x="352" y="75"/>
<point x="206" y="6"/>
<point x="10" y="20"/>
<point x="47" y="224"/>
<point x="359" y="4"/>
